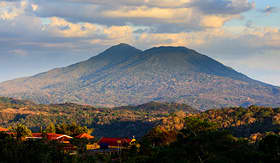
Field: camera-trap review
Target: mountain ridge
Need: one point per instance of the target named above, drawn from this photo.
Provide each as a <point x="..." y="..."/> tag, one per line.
<point x="124" y="75"/>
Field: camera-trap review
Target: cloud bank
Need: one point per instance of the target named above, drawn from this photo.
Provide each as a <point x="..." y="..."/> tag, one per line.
<point x="32" y="28"/>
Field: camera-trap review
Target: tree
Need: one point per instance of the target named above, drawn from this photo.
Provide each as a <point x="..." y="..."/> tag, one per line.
<point x="270" y="145"/>
<point x="72" y="129"/>
<point x="21" y="131"/>
<point x="50" y="128"/>
<point x="194" y="126"/>
<point x="62" y="129"/>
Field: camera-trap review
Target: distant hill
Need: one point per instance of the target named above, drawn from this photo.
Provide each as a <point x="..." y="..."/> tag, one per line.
<point x="123" y="75"/>
<point x="159" y="106"/>
<point x="124" y="121"/>
<point x="11" y="101"/>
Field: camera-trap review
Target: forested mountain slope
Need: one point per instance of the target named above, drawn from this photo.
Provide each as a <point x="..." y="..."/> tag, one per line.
<point x="123" y="75"/>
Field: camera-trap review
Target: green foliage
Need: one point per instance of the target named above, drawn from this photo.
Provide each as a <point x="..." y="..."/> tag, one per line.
<point x="31" y="151"/>
<point x="210" y="136"/>
<point x="50" y="128"/>
<point x="72" y="129"/>
<point x="109" y="122"/>
<point x="243" y="122"/>
<point x="159" y="136"/>
<point x="194" y="126"/>
<point x="200" y="142"/>
<point x="270" y="145"/>
<point x="21" y="131"/>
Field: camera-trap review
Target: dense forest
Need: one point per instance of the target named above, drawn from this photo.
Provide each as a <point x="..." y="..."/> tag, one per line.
<point x="124" y="121"/>
<point x="201" y="141"/>
<point x="136" y="120"/>
<point x="166" y="132"/>
<point x="180" y="138"/>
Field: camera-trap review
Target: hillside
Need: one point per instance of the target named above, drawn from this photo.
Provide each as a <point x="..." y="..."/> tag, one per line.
<point x="117" y="122"/>
<point x="218" y="135"/>
<point x="123" y="75"/>
<point x="138" y="120"/>
<point x="252" y="122"/>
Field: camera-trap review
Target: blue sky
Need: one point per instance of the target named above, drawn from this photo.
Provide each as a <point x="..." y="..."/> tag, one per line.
<point x="38" y="35"/>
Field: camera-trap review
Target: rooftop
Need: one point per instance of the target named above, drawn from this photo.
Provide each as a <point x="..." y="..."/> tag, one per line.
<point x="114" y="141"/>
<point x="3" y="129"/>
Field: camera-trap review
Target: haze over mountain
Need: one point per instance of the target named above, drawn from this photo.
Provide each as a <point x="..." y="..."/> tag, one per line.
<point x="124" y="75"/>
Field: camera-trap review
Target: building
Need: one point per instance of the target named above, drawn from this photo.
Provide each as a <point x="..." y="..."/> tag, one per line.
<point x="51" y="136"/>
<point x="3" y="129"/>
<point x="93" y="146"/>
<point x="115" y="143"/>
<point x="84" y="136"/>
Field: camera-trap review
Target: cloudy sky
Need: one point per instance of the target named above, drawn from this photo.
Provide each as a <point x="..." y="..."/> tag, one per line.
<point x="38" y="35"/>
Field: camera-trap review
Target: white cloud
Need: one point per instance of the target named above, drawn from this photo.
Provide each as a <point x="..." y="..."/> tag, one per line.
<point x="183" y="15"/>
<point x="34" y="7"/>
<point x="10" y="10"/>
<point x="29" y="28"/>
<point x="18" y="52"/>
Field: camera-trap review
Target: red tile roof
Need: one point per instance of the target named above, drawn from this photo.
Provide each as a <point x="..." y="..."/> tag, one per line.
<point x="114" y="141"/>
<point x="12" y="133"/>
<point x="51" y="136"/>
<point x="3" y="129"/>
<point x="84" y="135"/>
<point x="38" y="135"/>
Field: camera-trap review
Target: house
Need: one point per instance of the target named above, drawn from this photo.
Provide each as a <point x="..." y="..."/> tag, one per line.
<point x="115" y="143"/>
<point x="67" y="147"/>
<point x="93" y="146"/>
<point x="60" y="137"/>
<point x="84" y="136"/>
<point x="51" y="136"/>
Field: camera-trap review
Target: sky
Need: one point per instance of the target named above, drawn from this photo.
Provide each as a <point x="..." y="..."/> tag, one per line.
<point x="39" y="35"/>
